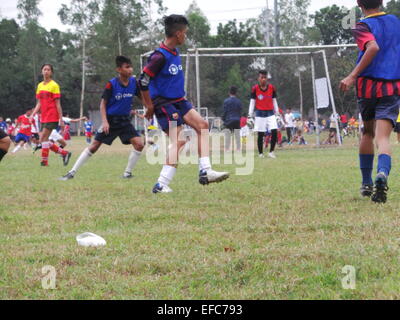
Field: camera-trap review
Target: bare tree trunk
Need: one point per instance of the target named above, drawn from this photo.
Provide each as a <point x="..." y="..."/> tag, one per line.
<point x="83" y="81"/>
<point x="119" y="44"/>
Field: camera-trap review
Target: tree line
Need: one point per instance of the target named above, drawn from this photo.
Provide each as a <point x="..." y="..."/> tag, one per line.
<point x="99" y="30"/>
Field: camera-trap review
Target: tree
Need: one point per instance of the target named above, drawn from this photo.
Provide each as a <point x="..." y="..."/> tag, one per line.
<point x="393" y="7"/>
<point x="328" y="20"/>
<point x="199" y="30"/>
<point x="81" y="14"/>
<point x="29" y="14"/>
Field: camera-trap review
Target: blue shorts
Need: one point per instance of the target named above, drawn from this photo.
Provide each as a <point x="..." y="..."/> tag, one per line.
<point x="165" y="113"/>
<point x="21" y="137"/>
<point x="385" y="108"/>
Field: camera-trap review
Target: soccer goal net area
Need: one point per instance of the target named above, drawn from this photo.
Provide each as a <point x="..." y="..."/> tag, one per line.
<point x="306" y="78"/>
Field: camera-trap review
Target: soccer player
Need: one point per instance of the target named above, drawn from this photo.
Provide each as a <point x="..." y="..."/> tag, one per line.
<point x="3" y="124"/>
<point x="24" y="126"/>
<point x="116" y="111"/>
<point x="289" y="119"/>
<point x="48" y="102"/>
<point x="10" y="129"/>
<point x="88" y="130"/>
<point x="263" y="101"/>
<point x="5" y="142"/>
<point x="162" y="87"/>
<point x="377" y="76"/>
<point x="35" y="131"/>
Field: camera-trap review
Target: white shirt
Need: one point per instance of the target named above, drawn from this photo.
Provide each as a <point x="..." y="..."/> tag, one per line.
<point x="289" y="120"/>
<point x="35" y="128"/>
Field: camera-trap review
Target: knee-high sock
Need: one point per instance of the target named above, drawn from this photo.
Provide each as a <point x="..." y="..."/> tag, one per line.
<point x="384" y="164"/>
<point x="85" y="156"/>
<point x="56" y="149"/>
<point x="166" y="175"/>
<point x="366" y="167"/>
<point x="132" y="161"/>
<point x="274" y="139"/>
<point x="260" y="142"/>
<point x="45" y="152"/>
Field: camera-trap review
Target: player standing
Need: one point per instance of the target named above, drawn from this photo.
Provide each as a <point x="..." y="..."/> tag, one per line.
<point x="377" y="76"/>
<point x="162" y="86"/>
<point x="88" y="130"/>
<point x="263" y="101"/>
<point x="48" y="102"/>
<point x="116" y="111"/>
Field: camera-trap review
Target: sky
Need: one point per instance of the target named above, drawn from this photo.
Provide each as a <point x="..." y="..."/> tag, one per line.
<point x="216" y="10"/>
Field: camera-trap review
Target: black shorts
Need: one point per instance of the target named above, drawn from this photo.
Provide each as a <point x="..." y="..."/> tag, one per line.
<point x="397" y="127"/>
<point x="385" y="108"/>
<point x="119" y="127"/>
<point x="233" y="125"/>
<point x="35" y="136"/>
<point x="2" y="134"/>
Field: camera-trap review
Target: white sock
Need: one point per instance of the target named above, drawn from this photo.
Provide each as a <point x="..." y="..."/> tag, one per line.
<point x="16" y="149"/>
<point x="166" y="175"/>
<point x="85" y="156"/>
<point x="133" y="159"/>
<point x="204" y="164"/>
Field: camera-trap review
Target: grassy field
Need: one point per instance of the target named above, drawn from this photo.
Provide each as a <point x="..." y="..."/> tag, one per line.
<point x="284" y="232"/>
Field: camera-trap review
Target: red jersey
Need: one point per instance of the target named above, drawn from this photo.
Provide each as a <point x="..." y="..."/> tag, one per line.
<point x="264" y="98"/>
<point x="10" y="130"/>
<point x="25" y="125"/>
<point x="47" y="94"/>
<point x="343" y="118"/>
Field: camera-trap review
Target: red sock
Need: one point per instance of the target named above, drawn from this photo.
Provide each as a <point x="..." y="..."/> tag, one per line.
<point x="45" y="153"/>
<point x="58" y="150"/>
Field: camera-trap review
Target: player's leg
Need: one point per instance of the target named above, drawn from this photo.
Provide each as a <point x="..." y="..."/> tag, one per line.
<point x="273" y="127"/>
<point x="19" y="144"/>
<point x="66" y="155"/>
<point x="83" y="158"/>
<point x="5" y="143"/>
<point x="201" y="127"/>
<point x="138" y="146"/>
<point x="169" y="169"/>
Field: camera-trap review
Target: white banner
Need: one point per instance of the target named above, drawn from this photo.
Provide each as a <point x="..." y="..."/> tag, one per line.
<point x="321" y="86"/>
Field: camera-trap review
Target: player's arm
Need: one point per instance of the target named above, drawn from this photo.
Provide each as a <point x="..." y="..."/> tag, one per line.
<point x="366" y="42"/>
<point x="78" y="120"/>
<point x="103" y="112"/>
<point x="36" y="110"/>
<point x="60" y="112"/>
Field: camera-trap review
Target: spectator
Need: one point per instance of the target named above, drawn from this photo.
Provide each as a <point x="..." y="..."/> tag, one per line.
<point x="231" y="118"/>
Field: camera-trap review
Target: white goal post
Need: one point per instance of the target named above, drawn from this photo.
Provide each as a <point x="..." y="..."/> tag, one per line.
<point x="311" y="51"/>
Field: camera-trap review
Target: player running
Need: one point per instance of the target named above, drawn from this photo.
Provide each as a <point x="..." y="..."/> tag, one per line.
<point x="48" y="103"/>
<point x="263" y="101"/>
<point x="377" y="77"/>
<point x="88" y="130"/>
<point x="24" y="127"/>
<point x="162" y="86"/>
<point x="116" y="112"/>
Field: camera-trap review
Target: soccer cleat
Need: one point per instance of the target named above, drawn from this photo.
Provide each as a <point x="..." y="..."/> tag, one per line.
<point x="158" y="188"/>
<point x="127" y="175"/>
<point x="211" y="176"/>
<point x="381" y="189"/>
<point x="272" y="155"/>
<point x="37" y="147"/>
<point x="68" y="176"/>
<point x="44" y="164"/>
<point x="366" y="190"/>
<point x="261" y="155"/>
<point x="66" y="158"/>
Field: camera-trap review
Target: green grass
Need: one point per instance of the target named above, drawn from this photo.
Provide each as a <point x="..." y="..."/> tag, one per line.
<point x="284" y="232"/>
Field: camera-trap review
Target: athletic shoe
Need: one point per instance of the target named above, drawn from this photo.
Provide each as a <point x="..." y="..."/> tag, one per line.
<point x="272" y="155"/>
<point x="127" y="175"/>
<point x="37" y="147"/>
<point x="381" y="189"/>
<point x="44" y="164"/>
<point x="366" y="190"/>
<point x="158" y="188"/>
<point x="68" y="176"/>
<point x="211" y="176"/>
<point x="66" y="158"/>
<point x="261" y="156"/>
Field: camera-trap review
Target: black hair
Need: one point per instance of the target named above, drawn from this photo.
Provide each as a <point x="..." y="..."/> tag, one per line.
<point x="370" y="4"/>
<point x="174" y="23"/>
<point x="47" y="65"/>
<point x="120" y="60"/>
<point x="263" y="72"/>
<point x="233" y="90"/>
